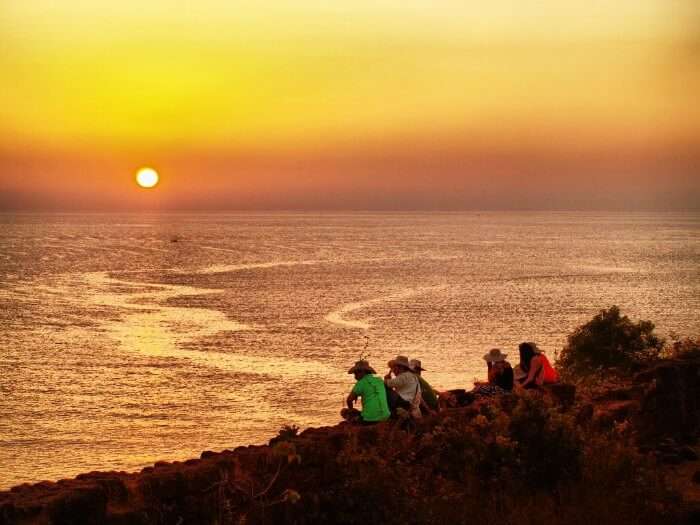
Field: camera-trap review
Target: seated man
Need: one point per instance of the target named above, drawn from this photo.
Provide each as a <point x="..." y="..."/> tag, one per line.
<point x="403" y="390"/>
<point x="428" y="393"/>
<point x="373" y="394"/>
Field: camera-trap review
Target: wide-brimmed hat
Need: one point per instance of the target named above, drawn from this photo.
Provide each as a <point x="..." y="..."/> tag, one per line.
<point x="362" y="366"/>
<point x="536" y="349"/>
<point x="415" y="365"/>
<point x="495" y="356"/>
<point x="400" y="360"/>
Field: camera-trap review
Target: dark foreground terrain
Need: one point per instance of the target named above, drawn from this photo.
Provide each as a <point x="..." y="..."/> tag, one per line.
<point x="622" y="453"/>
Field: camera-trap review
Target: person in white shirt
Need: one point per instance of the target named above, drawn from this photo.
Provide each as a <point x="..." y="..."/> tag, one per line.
<point x="403" y="390"/>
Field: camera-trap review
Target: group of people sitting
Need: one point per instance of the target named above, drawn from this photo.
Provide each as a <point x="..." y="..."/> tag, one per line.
<point x="405" y="393"/>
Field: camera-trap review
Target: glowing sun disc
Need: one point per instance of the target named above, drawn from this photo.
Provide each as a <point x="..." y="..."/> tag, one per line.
<point x="147" y="177"/>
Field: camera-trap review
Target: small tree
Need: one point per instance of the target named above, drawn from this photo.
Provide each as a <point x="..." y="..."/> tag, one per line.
<point x="610" y="340"/>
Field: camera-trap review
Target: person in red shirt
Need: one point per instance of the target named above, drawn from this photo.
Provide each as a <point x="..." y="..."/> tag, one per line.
<point x="536" y="367"/>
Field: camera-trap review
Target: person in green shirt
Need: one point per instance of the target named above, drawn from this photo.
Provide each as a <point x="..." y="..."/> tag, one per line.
<point x="429" y="403"/>
<point x="372" y="392"/>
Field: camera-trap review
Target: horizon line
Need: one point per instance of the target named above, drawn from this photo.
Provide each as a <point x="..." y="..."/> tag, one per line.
<point x="344" y="211"/>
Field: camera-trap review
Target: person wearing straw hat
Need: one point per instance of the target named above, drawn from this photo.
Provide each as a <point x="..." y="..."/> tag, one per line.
<point x="500" y="375"/>
<point x="403" y="389"/>
<point x="428" y="393"/>
<point x="371" y="390"/>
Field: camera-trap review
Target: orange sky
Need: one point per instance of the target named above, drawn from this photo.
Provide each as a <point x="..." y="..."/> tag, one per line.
<point x="350" y="105"/>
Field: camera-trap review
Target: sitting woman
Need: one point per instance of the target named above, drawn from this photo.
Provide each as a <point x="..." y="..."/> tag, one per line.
<point x="500" y="381"/>
<point x="500" y="375"/>
<point x="536" y="368"/>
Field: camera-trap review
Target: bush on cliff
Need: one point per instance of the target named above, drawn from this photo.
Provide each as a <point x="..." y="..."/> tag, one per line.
<point x="550" y="445"/>
<point x="530" y="442"/>
<point x="460" y="470"/>
<point x="609" y="340"/>
<point x="684" y="349"/>
<point x="518" y="461"/>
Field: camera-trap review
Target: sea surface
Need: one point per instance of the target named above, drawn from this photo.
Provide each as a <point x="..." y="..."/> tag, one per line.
<point x="128" y="339"/>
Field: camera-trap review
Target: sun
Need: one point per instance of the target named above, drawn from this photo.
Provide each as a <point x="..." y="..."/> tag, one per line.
<point x="147" y="177"/>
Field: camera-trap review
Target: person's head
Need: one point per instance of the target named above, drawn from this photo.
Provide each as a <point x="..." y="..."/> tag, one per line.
<point x="527" y="352"/>
<point x="416" y="366"/>
<point x="360" y="369"/>
<point x="492" y="358"/>
<point x="399" y="365"/>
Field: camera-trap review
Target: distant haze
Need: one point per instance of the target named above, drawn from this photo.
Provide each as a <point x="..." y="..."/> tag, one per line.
<point x="350" y="105"/>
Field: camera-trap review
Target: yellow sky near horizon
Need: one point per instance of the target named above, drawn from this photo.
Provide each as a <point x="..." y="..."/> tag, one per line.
<point x="133" y="79"/>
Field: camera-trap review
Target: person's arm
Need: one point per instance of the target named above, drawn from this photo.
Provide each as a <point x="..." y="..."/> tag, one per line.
<point x="350" y="401"/>
<point x="535" y="369"/>
<point x="425" y="406"/>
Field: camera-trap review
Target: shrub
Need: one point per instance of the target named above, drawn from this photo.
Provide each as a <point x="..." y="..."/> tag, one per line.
<point x="684" y="349"/>
<point x="609" y="340"/>
<point x="285" y="433"/>
<point x="549" y="444"/>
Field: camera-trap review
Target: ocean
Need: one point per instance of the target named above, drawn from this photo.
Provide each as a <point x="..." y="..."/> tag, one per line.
<point x="128" y="339"/>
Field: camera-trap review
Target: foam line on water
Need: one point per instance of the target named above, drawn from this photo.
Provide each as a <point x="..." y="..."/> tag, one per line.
<point x="609" y="269"/>
<point x="537" y="277"/>
<point x="338" y="316"/>
<point x="226" y="268"/>
<point x="151" y="324"/>
<point x="149" y="329"/>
